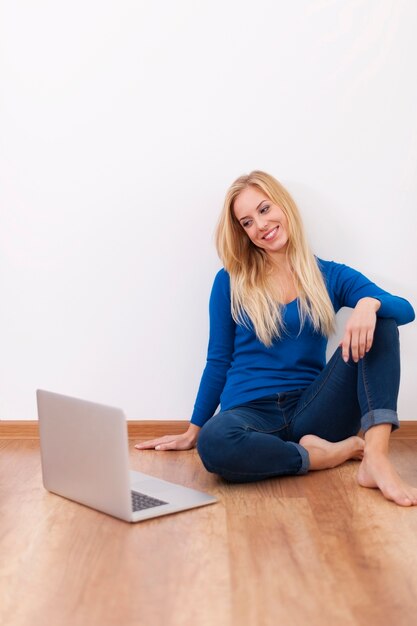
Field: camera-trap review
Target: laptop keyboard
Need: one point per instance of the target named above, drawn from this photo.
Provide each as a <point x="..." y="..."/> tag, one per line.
<point x="141" y="501"/>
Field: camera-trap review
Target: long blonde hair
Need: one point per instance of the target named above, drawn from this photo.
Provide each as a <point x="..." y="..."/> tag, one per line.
<point x="248" y="266"/>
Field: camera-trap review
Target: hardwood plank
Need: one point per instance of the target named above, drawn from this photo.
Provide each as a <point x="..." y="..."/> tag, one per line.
<point x="315" y="549"/>
<point x="383" y="548"/>
<point x="279" y="575"/>
<point x="77" y="566"/>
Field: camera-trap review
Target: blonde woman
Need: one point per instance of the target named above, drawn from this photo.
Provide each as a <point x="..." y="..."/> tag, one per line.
<point x="283" y="409"/>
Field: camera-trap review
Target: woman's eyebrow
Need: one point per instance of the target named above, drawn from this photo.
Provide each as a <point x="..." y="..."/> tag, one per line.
<point x="247" y="216"/>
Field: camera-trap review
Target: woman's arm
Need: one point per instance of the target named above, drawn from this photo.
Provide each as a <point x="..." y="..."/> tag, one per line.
<point x="219" y="352"/>
<point x="185" y="441"/>
<point x="359" y="331"/>
<point x="219" y="357"/>
<point x="347" y="286"/>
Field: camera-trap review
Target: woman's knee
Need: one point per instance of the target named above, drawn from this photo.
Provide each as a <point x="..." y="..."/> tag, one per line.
<point x="386" y="333"/>
<point x="216" y="436"/>
<point x="386" y="325"/>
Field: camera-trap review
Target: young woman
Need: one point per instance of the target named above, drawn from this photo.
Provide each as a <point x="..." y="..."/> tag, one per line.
<point x="272" y="308"/>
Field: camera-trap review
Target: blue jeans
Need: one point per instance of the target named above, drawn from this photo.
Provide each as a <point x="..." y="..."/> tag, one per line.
<point x="260" y="439"/>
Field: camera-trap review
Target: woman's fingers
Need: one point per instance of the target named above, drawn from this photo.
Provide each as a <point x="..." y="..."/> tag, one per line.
<point x="153" y="443"/>
<point x="360" y="328"/>
<point x="369" y="340"/>
<point x="354" y="346"/>
<point x="346" y="346"/>
<point x="356" y="343"/>
<point x="365" y="342"/>
<point x="171" y="445"/>
<point x="168" y="442"/>
<point x="360" y="345"/>
<point x="146" y="444"/>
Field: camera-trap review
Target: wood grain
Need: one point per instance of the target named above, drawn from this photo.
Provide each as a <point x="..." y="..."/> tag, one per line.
<point x="315" y="549"/>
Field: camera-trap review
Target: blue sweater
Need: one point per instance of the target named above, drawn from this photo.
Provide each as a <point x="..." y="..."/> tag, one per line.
<point x="240" y="368"/>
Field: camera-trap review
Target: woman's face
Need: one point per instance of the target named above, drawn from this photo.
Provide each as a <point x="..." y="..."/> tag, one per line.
<point x="263" y="221"/>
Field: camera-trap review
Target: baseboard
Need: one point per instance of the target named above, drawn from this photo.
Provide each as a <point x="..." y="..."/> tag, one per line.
<point x="141" y="429"/>
<point x="144" y="429"/>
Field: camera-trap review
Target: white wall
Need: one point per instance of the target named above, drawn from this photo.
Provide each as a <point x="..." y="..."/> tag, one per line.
<point x="123" y="123"/>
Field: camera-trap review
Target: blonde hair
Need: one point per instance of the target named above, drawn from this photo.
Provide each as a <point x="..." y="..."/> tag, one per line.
<point x="248" y="266"/>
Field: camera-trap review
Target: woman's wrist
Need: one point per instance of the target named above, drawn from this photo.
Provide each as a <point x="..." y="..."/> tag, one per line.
<point x="373" y="303"/>
<point x="193" y="431"/>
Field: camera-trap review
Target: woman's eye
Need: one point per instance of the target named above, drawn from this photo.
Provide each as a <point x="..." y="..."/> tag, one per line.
<point x="264" y="209"/>
<point x="246" y="224"/>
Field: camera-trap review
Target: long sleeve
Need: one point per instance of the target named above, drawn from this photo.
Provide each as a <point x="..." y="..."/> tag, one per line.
<point x="219" y="353"/>
<point x="347" y="286"/>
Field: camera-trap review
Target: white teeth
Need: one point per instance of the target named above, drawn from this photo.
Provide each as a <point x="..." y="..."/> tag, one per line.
<point x="271" y="234"/>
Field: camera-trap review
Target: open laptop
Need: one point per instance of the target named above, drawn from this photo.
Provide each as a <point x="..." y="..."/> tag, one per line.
<point x="84" y="455"/>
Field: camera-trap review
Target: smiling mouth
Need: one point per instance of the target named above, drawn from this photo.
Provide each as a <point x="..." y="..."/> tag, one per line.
<point x="271" y="234"/>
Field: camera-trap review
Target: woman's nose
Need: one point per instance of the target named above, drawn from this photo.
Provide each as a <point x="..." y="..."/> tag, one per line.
<point x="262" y="224"/>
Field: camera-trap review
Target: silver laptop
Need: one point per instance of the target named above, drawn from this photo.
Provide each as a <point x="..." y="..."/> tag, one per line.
<point x="84" y="454"/>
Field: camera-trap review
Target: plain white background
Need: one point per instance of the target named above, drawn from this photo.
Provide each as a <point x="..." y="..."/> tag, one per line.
<point x="123" y="123"/>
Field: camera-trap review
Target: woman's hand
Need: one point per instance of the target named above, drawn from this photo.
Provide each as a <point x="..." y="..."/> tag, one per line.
<point x="359" y="332"/>
<point x="185" y="441"/>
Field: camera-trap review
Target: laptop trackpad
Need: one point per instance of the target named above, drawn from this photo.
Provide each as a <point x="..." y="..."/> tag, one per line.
<point x="149" y="486"/>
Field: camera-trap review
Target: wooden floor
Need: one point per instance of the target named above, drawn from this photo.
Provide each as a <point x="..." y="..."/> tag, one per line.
<point x="310" y="550"/>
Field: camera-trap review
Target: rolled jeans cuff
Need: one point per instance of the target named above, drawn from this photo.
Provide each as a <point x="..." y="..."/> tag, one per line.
<point x="305" y="459"/>
<point x="380" y="416"/>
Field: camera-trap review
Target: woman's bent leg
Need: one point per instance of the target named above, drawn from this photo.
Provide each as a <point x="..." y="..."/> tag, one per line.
<point x="377" y="471"/>
<point x="349" y="396"/>
<point x="235" y="445"/>
<point x="325" y="455"/>
<point x="368" y="390"/>
<point x="379" y="377"/>
<point x="379" y="390"/>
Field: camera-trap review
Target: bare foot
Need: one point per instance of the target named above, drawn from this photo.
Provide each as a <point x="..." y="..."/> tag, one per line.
<point x="377" y="471"/>
<point x="325" y="454"/>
